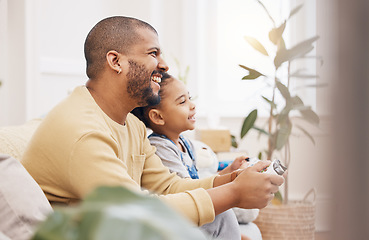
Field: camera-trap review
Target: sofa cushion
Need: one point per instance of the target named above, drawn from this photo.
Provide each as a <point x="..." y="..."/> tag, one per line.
<point x="14" y="139"/>
<point x="22" y="202"/>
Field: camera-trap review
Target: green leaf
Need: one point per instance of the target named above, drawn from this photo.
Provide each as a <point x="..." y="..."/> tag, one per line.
<point x="275" y="35"/>
<point x="283" y="90"/>
<point x="312" y="86"/>
<point x="249" y="122"/>
<point x="297" y="104"/>
<point x="298" y="50"/>
<point x="234" y="141"/>
<point x="283" y="116"/>
<point x="256" y="45"/>
<point x="306" y="133"/>
<point x="278" y="196"/>
<point x="272" y="104"/>
<point x="281" y="45"/>
<point x="304" y="76"/>
<point x="117" y="213"/>
<point x="302" y="48"/>
<point x="281" y="57"/>
<point x="260" y="155"/>
<point x="283" y="134"/>
<point x="260" y="130"/>
<point x="310" y="116"/>
<point x="296" y="101"/>
<point x="253" y="74"/>
<point x="295" y="10"/>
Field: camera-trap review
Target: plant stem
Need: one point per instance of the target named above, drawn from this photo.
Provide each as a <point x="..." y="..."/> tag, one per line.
<point x="288" y="74"/>
<point x="287" y="149"/>
<point x="266" y="10"/>
<point x="271" y="146"/>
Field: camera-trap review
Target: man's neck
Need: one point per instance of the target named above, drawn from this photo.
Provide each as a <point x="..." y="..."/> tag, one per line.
<point x="110" y="103"/>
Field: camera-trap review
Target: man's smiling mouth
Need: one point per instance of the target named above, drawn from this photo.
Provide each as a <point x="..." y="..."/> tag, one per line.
<point x="156" y="78"/>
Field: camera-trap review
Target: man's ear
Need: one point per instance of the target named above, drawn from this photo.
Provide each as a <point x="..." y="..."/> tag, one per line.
<point x="113" y="59"/>
<point x="156" y="117"/>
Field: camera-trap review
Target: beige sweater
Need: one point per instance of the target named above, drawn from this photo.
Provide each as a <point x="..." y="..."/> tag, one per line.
<point x="78" y="147"/>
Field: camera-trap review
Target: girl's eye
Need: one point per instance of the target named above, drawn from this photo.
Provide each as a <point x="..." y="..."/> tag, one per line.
<point x="182" y="100"/>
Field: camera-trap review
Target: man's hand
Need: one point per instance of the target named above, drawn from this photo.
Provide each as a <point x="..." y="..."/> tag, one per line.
<point x="255" y="189"/>
<point x="250" y="188"/>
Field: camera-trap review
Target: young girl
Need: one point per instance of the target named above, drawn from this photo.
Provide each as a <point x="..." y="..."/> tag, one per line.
<point x="174" y="115"/>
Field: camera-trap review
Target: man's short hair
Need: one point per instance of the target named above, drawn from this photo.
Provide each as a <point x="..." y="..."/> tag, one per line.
<point x="114" y="33"/>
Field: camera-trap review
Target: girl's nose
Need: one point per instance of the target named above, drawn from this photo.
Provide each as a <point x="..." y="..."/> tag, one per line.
<point x="193" y="105"/>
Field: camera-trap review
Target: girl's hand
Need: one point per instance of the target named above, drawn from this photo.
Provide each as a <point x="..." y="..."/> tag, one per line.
<point x="236" y="164"/>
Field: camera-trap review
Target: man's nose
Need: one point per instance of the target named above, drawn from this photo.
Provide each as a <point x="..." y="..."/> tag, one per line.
<point x="162" y="65"/>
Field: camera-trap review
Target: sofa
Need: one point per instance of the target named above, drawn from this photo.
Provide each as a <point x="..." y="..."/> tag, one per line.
<point x="24" y="205"/>
<point x="22" y="202"/>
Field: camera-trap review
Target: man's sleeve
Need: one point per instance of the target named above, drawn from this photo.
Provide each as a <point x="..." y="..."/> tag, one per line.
<point x="188" y="196"/>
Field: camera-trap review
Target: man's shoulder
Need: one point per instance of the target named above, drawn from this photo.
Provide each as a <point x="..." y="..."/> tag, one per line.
<point x="133" y="122"/>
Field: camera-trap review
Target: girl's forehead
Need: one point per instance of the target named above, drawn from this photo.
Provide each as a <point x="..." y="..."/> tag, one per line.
<point x="174" y="89"/>
<point x="176" y="86"/>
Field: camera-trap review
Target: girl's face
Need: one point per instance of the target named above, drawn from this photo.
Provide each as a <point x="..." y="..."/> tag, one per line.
<point x="176" y="108"/>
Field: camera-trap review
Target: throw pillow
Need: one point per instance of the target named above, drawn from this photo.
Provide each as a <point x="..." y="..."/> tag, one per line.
<point x="22" y="202"/>
<point x="14" y="139"/>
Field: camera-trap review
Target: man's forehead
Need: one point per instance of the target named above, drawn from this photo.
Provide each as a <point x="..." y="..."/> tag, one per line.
<point x="147" y="38"/>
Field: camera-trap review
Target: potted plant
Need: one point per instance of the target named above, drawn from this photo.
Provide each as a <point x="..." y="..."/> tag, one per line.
<point x="279" y="125"/>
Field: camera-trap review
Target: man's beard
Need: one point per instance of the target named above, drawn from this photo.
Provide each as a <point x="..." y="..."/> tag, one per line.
<point x="139" y="85"/>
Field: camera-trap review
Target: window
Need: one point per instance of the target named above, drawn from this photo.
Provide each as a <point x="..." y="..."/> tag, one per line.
<point x="221" y="47"/>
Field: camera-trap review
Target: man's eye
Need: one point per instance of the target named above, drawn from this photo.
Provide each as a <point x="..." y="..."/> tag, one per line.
<point x="154" y="53"/>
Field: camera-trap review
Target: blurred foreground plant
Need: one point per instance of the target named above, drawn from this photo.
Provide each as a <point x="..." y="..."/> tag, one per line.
<point x="113" y="213"/>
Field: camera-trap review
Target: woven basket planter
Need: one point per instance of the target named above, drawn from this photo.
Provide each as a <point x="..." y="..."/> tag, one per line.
<point x="292" y="221"/>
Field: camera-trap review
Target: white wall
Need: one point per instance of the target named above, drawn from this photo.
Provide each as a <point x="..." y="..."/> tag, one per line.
<point x="43" y="60"/>
<point x="42" y="47"/>
<point x="3" y="58"/>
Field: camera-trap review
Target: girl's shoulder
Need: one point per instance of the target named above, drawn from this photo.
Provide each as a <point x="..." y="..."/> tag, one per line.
<point x="161" y="141"/>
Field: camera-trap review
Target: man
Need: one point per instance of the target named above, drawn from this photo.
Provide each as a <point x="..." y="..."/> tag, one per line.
<point x="92" y="139"/>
